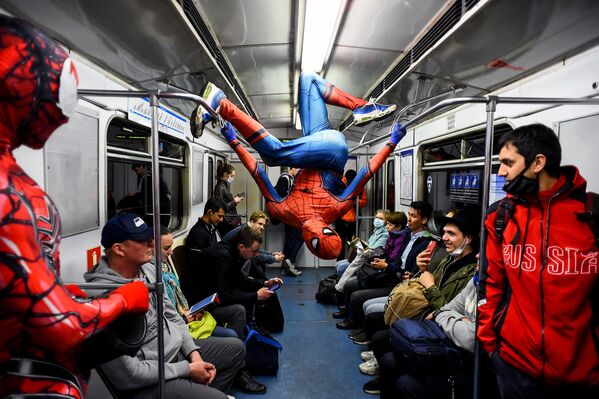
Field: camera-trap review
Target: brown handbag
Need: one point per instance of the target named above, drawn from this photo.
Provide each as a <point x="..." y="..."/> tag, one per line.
<point x="406" y="301"/>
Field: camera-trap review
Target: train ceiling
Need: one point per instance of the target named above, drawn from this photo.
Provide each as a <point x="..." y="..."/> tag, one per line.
<point x="397" y="51"/>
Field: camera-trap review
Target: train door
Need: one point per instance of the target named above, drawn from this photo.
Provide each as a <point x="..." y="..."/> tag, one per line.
<point x="244" y="183"/>
<point x="453" y="169"/>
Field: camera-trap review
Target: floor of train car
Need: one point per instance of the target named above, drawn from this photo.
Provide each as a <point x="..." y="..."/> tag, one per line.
<point x="318" y="360"/>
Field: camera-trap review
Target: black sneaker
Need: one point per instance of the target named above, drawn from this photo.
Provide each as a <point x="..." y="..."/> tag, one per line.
<point x="361" y="338"/>
<point x="341" y="314"/>
<point x="344" y="324"/>
<point x="372" y="387"/>
<point x="355" y="332"/>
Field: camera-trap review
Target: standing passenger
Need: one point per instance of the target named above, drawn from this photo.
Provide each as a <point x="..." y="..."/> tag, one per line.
<point x="226" y="175"/>
<point x="293" y="235"/>
<point x="539" y="305"/>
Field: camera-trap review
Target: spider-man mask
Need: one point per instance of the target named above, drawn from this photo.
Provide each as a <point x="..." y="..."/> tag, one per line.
<point x="321" y="240"/>
<point x="38" y="85"/>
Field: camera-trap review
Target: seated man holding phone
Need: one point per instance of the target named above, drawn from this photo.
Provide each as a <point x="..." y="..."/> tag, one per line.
<point x="220" y="271"/>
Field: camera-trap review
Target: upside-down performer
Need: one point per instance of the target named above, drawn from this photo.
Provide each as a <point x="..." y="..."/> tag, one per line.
<point x="318" y="196"/>
<point x="42" y="323"/>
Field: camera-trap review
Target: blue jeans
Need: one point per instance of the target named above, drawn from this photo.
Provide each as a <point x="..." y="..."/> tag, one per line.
<point x="224" y="332"/>
<point x="342" y="266"/>
<point x="293" y="243"/>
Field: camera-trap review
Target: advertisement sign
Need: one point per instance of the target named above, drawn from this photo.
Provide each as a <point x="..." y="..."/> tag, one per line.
<point x="463" y="187"/>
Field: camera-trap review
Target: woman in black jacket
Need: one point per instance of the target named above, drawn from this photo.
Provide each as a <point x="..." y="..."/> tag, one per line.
<point x="225" y="175"/>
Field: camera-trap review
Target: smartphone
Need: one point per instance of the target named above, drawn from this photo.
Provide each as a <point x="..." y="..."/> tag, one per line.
<point x="204" y="303"/>
<point x="274" y="287"/>
<point x="431" y="246"/>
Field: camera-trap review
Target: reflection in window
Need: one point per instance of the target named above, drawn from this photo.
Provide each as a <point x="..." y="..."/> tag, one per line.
<point x="210" y="177"/>
<point x="130" y="190"/>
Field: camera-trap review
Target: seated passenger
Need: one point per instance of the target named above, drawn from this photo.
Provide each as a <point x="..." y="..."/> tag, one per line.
<point x="201" y="325"/>
<point x="219" y="270"/>
<point x="355" y="295"/>
<point x="191" y="370"/>
<point x="376" y="242"/>
<point x="460" y="234"/>
<point x="457" y="319"/>
<point x="173" y="289"/>
<point x="204" y="233"/>
<point x="256" y="267"/>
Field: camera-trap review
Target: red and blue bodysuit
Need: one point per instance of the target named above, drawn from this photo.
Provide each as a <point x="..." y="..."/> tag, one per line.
<point x="318" y="196"/>
<point x="42" y="322"/>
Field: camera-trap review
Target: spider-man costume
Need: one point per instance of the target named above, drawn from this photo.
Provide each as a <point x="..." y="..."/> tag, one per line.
<point x="317" y="197"/>
<point x="42" y="322"/>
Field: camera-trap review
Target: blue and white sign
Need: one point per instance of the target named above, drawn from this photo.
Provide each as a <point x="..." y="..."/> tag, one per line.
<point x="168" y="121"/>
<point x="464" y="187"/>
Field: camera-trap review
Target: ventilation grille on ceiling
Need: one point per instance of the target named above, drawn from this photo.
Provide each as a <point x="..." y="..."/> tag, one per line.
<point x="437" y="31"/>
<point x="198" y="23"/>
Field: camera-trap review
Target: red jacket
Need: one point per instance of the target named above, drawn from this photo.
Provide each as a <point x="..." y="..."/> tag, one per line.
<point x="535" y="307"/>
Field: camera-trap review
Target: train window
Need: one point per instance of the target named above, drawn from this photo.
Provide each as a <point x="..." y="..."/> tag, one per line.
<point x="391" y="185"/>
<point x="130" y="190"/>
<point x="123" y="134"/>
<point x="71" y="172"/>
<point x="210" y="177"/>
<point x="197" y="174"/>
<point x="171" y="149"/>
<point x="129" y="175"/>
<point x="378" y="198"/>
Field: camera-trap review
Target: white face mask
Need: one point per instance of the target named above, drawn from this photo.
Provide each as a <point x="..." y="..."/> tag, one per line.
<point x="378" y="223"/>
<point x="230" y="180"/>
<point x="459" y="250"/>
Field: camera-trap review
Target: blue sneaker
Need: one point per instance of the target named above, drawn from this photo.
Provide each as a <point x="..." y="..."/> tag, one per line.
<point x="372" y="111"/>
<point x="200" y="117"/>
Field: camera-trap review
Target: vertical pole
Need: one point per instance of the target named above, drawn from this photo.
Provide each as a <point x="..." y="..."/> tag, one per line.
<point x="154" y="103"/>
<point x="491" y="107"/>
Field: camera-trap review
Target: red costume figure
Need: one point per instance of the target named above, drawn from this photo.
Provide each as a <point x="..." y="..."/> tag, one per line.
<point x="42" y="323"/>
<point x="317" y="197"/>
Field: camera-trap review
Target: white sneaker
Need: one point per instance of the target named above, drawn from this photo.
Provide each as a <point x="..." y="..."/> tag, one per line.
<point x="367" y="355"/>
<point x="370" y="367"/>
<point x="230" y="397"/>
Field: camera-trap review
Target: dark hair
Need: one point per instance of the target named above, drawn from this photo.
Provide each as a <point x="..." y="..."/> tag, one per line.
<point x="350" y="175"/>
<point x="424" y="208"/>
<point x="137" y="165"/>
<point x="224" y="168"/>
<point x="534" y="139"/>
<point x="214" y="204"/>
<point x="165" y="230"/>
<point x="247" y="236"/>
<point x="397" y="218"/>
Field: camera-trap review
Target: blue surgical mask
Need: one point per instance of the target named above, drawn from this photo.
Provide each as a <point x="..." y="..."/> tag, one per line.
<point x="378" y="223"/>
<point x="230" y="180"/>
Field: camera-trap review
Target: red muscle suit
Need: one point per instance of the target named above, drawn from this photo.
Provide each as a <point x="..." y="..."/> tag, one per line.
<point x="42" y="324"/>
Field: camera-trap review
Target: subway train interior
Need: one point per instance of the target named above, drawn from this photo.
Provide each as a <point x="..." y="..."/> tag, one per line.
<point x="461" y="73"/>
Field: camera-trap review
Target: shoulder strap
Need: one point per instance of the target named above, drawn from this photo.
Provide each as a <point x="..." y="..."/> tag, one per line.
<point x="591" y="214"/>
<point x="505" y="211"/>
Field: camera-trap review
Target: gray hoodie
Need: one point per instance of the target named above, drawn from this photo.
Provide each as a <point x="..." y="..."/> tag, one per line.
<point x="451" y="317"/>
<point x="142" y="370"/>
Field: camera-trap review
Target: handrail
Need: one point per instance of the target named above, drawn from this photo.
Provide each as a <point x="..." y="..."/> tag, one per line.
<point x="480" y="100"/>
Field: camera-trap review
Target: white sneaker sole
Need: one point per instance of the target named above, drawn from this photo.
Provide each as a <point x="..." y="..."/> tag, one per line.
<point x="374" y="115"/>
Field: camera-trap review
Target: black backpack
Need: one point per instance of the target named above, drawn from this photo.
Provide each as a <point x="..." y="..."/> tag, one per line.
<point x="327" y="294"/>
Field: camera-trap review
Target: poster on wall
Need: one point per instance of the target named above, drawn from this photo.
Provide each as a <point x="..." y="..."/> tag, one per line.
<point x="406" y="166"/>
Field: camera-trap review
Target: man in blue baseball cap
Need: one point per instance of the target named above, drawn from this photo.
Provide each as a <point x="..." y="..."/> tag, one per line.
<point x="191" y="370"/>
